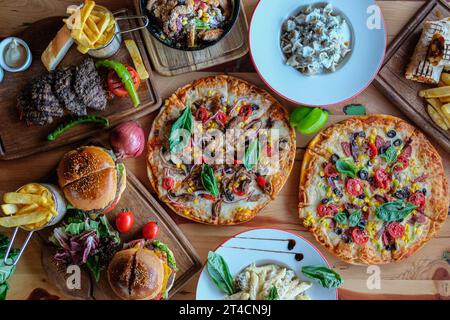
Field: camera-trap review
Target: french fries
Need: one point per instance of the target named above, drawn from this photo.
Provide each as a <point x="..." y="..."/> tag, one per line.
<point x="436" y="117"/>
<point x="32" y="207"/>
<point x="137" y="59"/>
<point x="91" y="26"/>
<point x="438" y="92"/>
<point x="438" y="99"/>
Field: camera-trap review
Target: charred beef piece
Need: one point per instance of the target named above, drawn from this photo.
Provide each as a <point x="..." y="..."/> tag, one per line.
<point x="43" y="97"/>
<point x="87" y="85"/>
<point x="63" y="87"/>
<point x="27" y="110"/>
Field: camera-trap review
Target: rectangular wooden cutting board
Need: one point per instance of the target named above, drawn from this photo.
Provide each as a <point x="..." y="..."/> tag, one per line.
<point x="19" y="140"/>
<point x="145" y="208"/>
<point x="391" y="79"/>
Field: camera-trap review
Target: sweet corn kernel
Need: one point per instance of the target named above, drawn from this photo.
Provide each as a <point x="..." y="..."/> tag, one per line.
<point x="196" y="200"/>
<point x="321" y="173"/>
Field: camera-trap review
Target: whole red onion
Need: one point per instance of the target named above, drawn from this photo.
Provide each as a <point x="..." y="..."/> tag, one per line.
<point x="127" y="140"/>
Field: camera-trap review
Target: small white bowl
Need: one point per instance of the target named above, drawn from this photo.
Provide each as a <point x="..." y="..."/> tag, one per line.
<point x="4" y="44"/>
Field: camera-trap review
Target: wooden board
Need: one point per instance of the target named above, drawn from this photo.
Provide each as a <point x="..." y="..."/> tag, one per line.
<point x="391" y="80"/>
<point x="145" y="209"/>
<point x="169" y="62"/>
<point x="19" y="140"/>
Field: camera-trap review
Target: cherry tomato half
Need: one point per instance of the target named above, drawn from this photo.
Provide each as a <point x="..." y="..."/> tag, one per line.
<point x="382" y="178"/>
<point x="246" y="111"/>
<point x="168" y="183"/>
<point x="396" y="230"/>
<point x="354" y="187"/>
<point x="202" y="114"/>
<point x="372" y="151"/>
<point x="150" y="230"/>
<point x="359" y="236"/>
<point x="222" y="117"/>
<point x="116" y="86"/>
<point x="402" y="163"/>
<point x="261" y="181"/>
<point x="330" y="170"/>
<point x="324" y="210"/>
<point x="418" y="199"/>
<point x="124" y="221"/>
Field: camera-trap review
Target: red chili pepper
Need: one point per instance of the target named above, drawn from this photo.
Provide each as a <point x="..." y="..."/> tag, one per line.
<point x="402" y="163"/>
<point x="261" y="181"/>
<point x="396" y="230"/>
<point x="168" y="183"/>
<point x="354" y="187"/>
<point x="359" y="236"/>
<point x="372" y="151"/>
<point x="202" y="114"/>
<point x="222" y="117"/>
<point x="418" y="199"/>
<point x="209" y="197"/>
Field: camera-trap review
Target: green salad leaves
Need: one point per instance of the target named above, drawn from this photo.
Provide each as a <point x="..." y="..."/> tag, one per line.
<point x="5" y="271"/>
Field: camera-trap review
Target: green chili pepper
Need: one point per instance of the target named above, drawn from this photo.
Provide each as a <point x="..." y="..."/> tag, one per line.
<point x="75" y="122"/>
<point x="124" y="75"/>
<point x="298" y="115"/>
<point x="308" y="120"/>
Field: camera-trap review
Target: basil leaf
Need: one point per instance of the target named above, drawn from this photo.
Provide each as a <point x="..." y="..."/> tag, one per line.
<point x="390" y="155"/>
<point x="347" y="167"/>
<point x="184" y="122"/>
<point x="252" y="154"/>
<point x="341" y="218"/>
<point x="354" y="218"/>
<point x="209" y="180"/>
<point x="94" y="266"/>
<point x="273" y="294"/>
<point x="220" y="273"/>
<point x="394" y="211"/>
<point x="328" y="278"/>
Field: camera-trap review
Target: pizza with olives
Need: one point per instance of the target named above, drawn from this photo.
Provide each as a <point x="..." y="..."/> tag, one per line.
<point x="372" y="189"/>
<point x="220" y="150"/>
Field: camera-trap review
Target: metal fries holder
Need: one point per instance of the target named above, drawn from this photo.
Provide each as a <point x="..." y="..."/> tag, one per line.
<point x="113" y="45"/>
<point x="60" y="206"/>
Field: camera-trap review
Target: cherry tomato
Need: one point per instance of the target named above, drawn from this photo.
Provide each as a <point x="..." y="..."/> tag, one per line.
<point x="238" y="192"/>
<point x="202" y="114"/>
<point x="246" y="111"/>
<point x="402" y="164"/>
<point x="168" y="183"/>
<point x="261" y="181"/>
<point x="382" y="179"/>
<point x="359" y="236"/>
<point x="372" y="152"/>
<point x="418" y="199"/>
<point x="354" y="187"/>
<point x="124" y="221"/>
<point x="150" y="230"/>
<point x="330" y="170"/>
<point x="116" y="86"/>
<point x="396" y="230"/>
<point x="324" y="210"/>
<point x="222" y="117"/>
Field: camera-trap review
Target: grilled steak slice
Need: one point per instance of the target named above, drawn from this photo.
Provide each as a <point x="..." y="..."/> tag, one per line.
<point x="87" y="85"/>
<point x="27" y="110"/>
<point x="63" y="88"/>
<point x="43" y="98"/>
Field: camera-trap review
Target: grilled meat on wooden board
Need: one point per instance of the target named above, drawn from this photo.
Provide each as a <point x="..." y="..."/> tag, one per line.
<point x="66" y="91"/>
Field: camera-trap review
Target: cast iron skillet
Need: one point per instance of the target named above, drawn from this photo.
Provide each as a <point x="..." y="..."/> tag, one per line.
<point x="155" y="29"/>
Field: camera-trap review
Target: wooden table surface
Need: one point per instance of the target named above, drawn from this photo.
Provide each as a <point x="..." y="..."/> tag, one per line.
<point x="426" y="275"/>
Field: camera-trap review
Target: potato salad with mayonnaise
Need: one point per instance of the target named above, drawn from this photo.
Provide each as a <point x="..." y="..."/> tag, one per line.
<point x="316" y="40"/>
<point x="269" y="282"/>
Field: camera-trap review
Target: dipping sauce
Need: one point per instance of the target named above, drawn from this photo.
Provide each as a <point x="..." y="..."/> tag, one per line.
<point x="15" y="54"/>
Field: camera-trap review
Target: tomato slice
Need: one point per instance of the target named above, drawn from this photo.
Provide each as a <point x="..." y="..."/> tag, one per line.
<point x="222" y="117"/>
<point x="396" y="230"/>
<point x="261" y="181"/>
<point x="168" y="183"/>
<point x="354" y="187"/>
<point x="209" y="197"/>
<point x="116" y="86"/>
<point x="359" y="236"/>
<point x="372" y="151"/>
<point x="418" y="199"/>
<point x="402" y="163"/>
<point x="324" y="210"/>
<point x="202" y="114"/>
<point x="246" y="111"/>
<point x="382" y="178"/>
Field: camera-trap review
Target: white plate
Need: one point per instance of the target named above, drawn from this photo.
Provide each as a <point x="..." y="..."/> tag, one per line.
<point x="354" y="74"/>
<point x="263" y="246"/>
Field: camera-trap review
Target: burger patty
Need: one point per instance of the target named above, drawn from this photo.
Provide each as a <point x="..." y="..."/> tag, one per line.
<point x="87" y="85"/>
<point x="63" y="86"/>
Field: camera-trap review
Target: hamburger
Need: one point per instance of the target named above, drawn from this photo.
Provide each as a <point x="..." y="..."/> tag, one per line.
<point x="91" y="179"/>
<point x="143" y="270"/>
